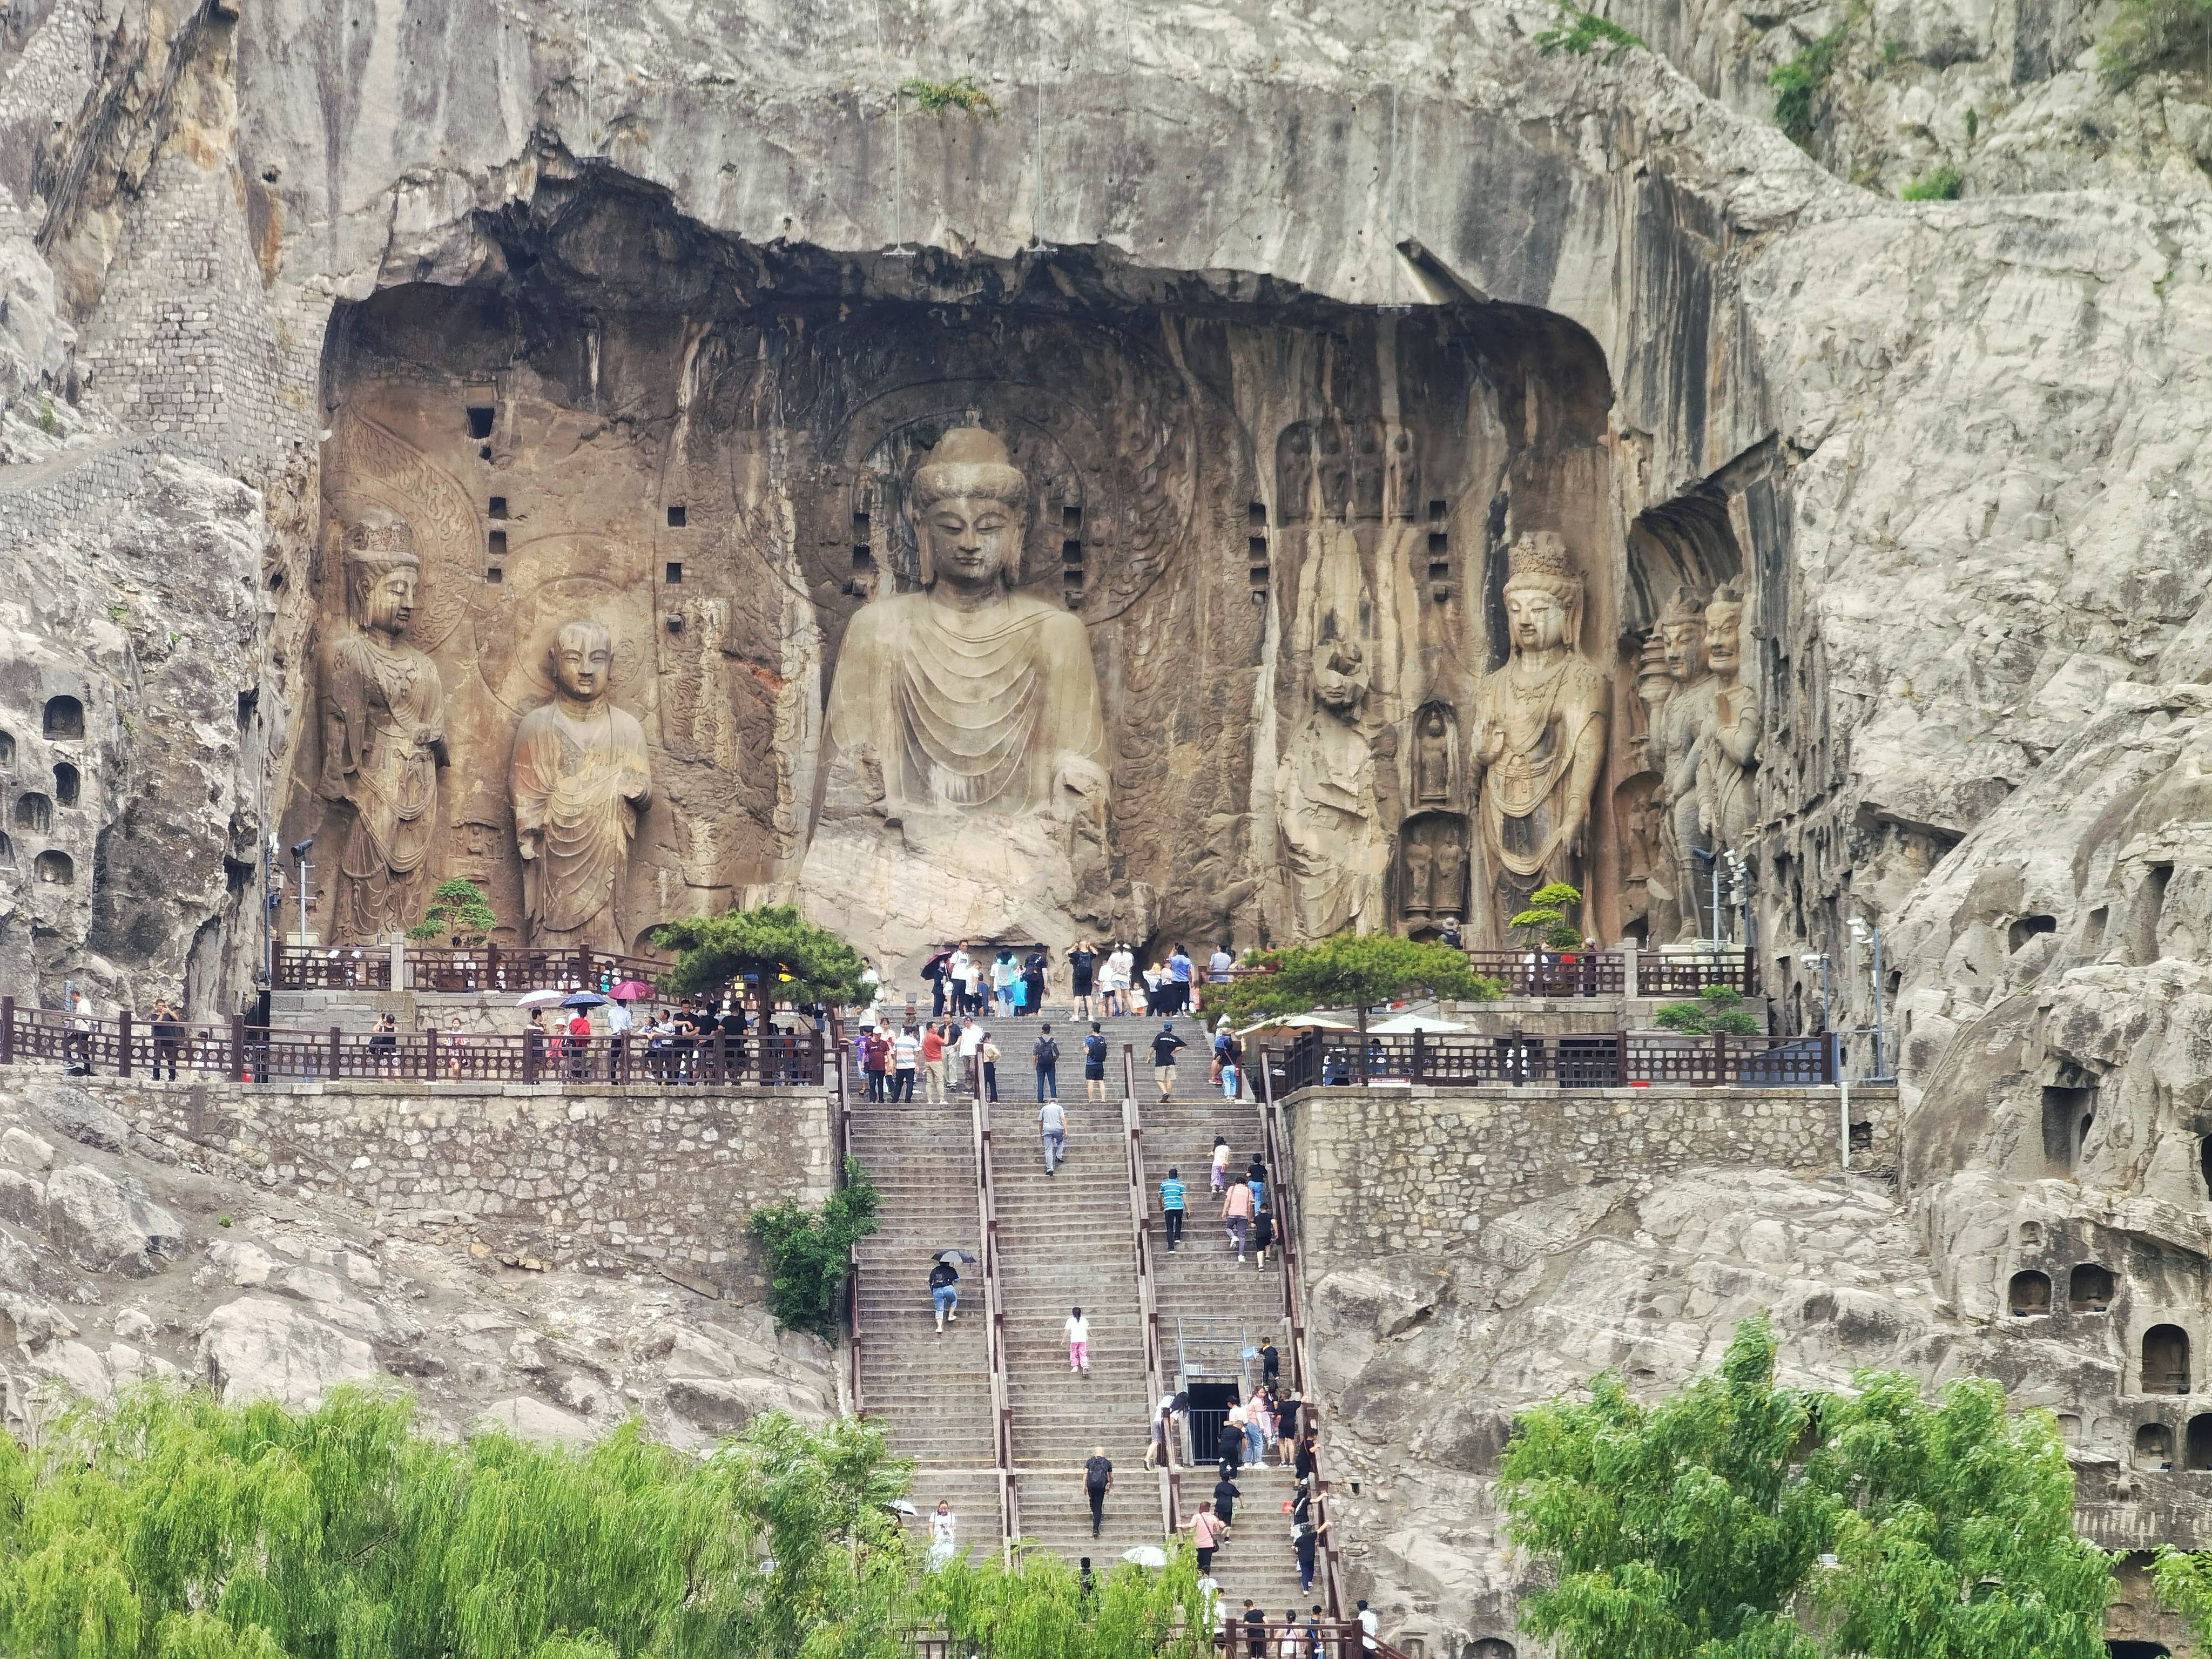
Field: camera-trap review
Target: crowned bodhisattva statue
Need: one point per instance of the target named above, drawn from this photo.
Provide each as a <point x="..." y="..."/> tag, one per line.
<point x="383" y="720"/>
<point x="1540" y="730"/>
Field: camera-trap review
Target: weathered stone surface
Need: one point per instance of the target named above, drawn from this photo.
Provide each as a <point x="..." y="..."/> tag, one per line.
<point x="108" y="1227"/>
<point x="526" y="1419"/>
<point x="258" y="1348"/>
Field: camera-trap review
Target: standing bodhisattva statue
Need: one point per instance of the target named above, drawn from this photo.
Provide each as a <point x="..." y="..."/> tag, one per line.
<point x="580" y="777"/>
<point x="383" y="713"/>
<point x="1540" y="726"/>
<point x="969" y="694"/>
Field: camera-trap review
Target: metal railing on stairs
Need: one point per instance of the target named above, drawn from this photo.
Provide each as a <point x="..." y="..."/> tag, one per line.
<point x="1275" y="1140"/>
<point x="994" y="1314"/>
<point x="1141" y="1228"/>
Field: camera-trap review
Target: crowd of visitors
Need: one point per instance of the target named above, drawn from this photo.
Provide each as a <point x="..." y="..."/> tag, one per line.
<point x="1100" y="982"/>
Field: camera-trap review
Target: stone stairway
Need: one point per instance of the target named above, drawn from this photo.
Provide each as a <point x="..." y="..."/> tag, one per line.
<point x="1065" y="1241"/>
<point x="934" y="1392"/>
<point x="1257" y="1559"/>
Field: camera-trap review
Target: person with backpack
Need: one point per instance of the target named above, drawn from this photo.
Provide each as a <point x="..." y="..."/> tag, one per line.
<point x="1232" y="1067"/>
<point x="945" y="1292"/>
<point x="1263" y="1234"/>
<point x="1098" y="1481"/>
<point x="1082" y="969"/>
<point x="1094" y="1064"/>
<point x="1052" y="1124"/>
<point x="1045" y="1056"/>
<point x="1033" y="968"/>
<point x="1171" y="1208"/>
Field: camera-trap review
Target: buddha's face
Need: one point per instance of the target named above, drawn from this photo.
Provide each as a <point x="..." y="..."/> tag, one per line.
<point x="973" y="539"/>
<point x="1723" y="648"/>
<point x="1535" y="618"/>
<point x="581" y="658"/>
<point x="389" y="605"/>
<point x="1686" y="648"/>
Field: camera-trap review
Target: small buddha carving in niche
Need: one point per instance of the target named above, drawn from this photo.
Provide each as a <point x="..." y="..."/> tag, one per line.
<point x="1432" y="759"/>
<point x="580" y="776"/>
<point x="1540" y="730"/>
<point x="967" y="693"/>
<point x="382" y="719"/>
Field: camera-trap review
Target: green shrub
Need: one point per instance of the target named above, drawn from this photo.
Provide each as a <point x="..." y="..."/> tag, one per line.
<point x="1943" y="184"/>
<point x="808" y="1252"/>
<point x="1797" y="83"/>
<point x="937" y="96"/>
<point x="1583" y="32"/>
<point x="458" y="909"/>
<point x="1546" y="921"/>
<point x="2149" y="34"/>
<point x="1718" y="1008"/>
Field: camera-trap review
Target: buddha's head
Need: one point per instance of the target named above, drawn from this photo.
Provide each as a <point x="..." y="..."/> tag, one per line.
<point x="1682" y="631"/>
<point x="971" y="507"/>
<point x="1543" y="595"/>
<point x="381" y="572"/>
<point x="582" y="656"/>
<point x="1724" y="632"/>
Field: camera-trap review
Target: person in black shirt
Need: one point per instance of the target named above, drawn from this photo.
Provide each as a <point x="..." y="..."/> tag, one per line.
<point x="1164" y="1044"/>
<point x="734" y="1041"/>
<point x="1271" y="1363"/>
<point x="1081" y="966"/>
<point x="687" y="1040"/>
<point x="168" y="1034"/>
<point x="1094" y="1064"/>
<point x="1033" y="967"/>
<point x="1225" y="1494"/>
<point x="1098" y="1481"/>
<point x="1255" y="1631"/>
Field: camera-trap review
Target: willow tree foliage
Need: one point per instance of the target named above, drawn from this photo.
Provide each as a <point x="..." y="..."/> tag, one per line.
<point x="1038" y="1608"/>
<point x="173" y="1527"/>
<point x="1701" y="1527"/>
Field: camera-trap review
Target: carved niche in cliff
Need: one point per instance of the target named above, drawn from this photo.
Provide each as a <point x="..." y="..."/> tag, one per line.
<point x="1273" y="535"/>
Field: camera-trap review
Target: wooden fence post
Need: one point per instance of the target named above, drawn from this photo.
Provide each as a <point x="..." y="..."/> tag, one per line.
<point x="336" y="1044"/>
<point x="237" y="1048"/>
<point x="430" y="1054"/>
<point x="123" y="1043"/>
<point x="7" y="1031"/>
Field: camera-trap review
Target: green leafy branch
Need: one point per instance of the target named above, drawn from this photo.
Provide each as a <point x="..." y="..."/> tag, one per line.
<point x="457" y="910"/>
<point x="1548" y="920"/>
<point x="1718" y="1008"/>
<point x="809" y="1251"/>
<point x="1798" y="83"/>
<point x="1583" y="32"/>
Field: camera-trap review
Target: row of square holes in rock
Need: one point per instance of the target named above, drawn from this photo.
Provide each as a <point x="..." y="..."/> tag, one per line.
<point x="1258" y="559"/>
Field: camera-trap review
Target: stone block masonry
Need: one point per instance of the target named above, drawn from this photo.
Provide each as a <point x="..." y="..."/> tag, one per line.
<point x="605" y="1179"/>
<point x="1383" y="1171"/>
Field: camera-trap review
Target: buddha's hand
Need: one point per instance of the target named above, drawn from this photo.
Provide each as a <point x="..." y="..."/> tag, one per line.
<point x="529" y="842"/>
<point x="1490" y="744"/>
<point x="1079" y="786"/>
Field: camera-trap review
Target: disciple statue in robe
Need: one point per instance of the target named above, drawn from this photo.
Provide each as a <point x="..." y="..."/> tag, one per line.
<point x="967" y="694"/>
<point x="1540" y="730"/>
<point x="382" y="715"/>
<point x="1729" y="747"/>
<point x="1333" y="847"/>
<point x="580" y="776"/>
<point x="1677" y="727"/>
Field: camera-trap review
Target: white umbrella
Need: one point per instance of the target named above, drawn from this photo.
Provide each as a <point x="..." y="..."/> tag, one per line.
<point x="542" y="998"/>
<point x="1146" y="1555"/>
<point x="1294" y="1022"/>
<point x="1406" y="1025"/>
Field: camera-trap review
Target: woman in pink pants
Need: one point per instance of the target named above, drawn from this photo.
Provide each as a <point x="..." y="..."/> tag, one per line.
<point x="1078" y="1341"/>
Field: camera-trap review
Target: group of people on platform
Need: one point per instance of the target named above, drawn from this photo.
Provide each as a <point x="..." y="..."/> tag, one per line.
<point x="1015" y="981"/>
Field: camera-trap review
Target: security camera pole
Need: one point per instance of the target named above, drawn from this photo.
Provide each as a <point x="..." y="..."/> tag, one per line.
<point x="299" y="859"/>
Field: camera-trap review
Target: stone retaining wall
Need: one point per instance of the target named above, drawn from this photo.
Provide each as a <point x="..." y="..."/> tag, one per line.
<point x="1384" y="1170"/>
<point x="604" y="1178"/>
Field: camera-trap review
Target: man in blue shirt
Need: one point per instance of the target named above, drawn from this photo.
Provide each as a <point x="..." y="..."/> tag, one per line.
<point x="1179" y="977"/>
<point x="1171" y="1207"/>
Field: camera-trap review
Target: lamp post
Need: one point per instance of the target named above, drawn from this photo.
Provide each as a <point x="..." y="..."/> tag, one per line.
<point x="1864" y="933"/>
<point x="301" y="867"/>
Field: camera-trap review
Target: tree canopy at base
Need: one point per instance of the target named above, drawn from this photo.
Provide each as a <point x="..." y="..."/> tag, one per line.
<point x="1351" y="971"/>
<point x="1698" y="1527"/>
<point x="174" y="1527"/>
<point x="795" y="959"/>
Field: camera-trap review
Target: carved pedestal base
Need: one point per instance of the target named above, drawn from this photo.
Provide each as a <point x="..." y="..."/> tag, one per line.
<point x="898" y="891"/>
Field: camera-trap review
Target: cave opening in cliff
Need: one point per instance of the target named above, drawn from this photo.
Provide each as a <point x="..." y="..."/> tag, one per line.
<point x="2067" y="1113"/>
<point x="1282" y="521"/>
<point x="2166" y="1360"/>
<point x="2090" y="1289"/>
<point x="2197" y="1443"/>
<point x="2153" y="1446"/>
<point x="2029" y="1294"/>
<point x="64" y="717"/>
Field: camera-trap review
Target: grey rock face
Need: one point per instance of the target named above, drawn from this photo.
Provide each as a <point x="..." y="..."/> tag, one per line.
<point x="104" y="1226"/>
<point x="257" y="1348"/>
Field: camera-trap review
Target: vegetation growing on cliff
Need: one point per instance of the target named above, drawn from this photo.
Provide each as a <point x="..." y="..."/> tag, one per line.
<point x="2153" y="34"/>
<point x="1799" y="82"/>
<point x="935" y="97"/>
<point x="809" y="1250"/>
<point x="1941" y="184"/>
<point x="1585" y="32"/>
<point x="1698" y="1529"/>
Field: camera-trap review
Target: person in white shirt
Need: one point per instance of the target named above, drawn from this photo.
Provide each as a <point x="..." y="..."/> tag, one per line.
<point x="955" y="976"/>
<point x="1078" y="1341"/>
<point x="906" y="1054"/>
<point x="1368" y="1626"/>
<point x="1115" y="988"/>
<point x="942" y="1527"/>
<point x="970" y="1045"/>
<point x="619" y="1023"/>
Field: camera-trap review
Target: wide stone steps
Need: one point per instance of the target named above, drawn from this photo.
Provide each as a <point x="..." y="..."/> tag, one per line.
<point x="974" y="1496"/>
<point x="1257" y="1561"/>
<point x="934" y="1392"/>
<point x="1055" y="1514"/>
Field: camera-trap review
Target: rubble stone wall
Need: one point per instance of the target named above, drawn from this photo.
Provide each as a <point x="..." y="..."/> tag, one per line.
<point x="1382" y="1171"/>
<point x="595" y="1178"/>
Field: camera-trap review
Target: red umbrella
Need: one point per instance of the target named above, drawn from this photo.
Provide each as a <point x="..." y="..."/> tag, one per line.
<point x="630" y="989"/>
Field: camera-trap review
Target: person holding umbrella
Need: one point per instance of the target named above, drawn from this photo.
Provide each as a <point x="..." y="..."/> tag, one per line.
<point x="945" y="1285"/>
<point x="579" y="1005"/>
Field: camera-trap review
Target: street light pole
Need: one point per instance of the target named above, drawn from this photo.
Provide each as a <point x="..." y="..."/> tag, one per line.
<point x="1864" y="933"/>
<point x="301" y="866"/>
<point x="1821" y="963"/>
